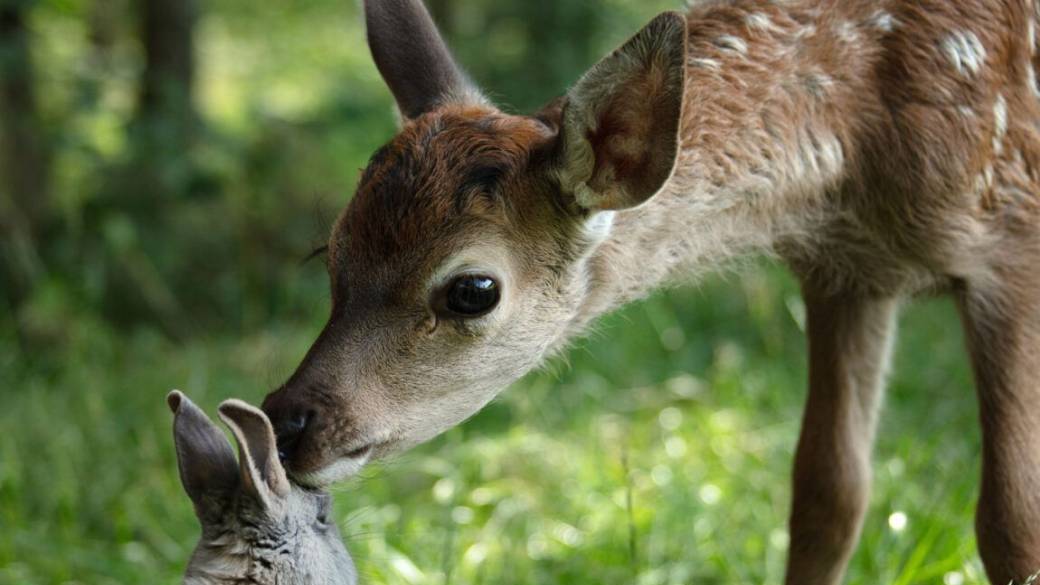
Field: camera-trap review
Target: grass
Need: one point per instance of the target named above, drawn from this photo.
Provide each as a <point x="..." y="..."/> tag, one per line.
<point x="657" y="452"/>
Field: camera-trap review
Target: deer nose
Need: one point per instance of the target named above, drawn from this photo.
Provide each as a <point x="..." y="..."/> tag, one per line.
<point x="289" y="430"/>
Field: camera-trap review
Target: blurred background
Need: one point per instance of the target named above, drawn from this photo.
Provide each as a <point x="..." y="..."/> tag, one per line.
<point x="165" y="165"/>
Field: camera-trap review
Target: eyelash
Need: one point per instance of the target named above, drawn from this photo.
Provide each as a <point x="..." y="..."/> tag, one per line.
<point x="319" y="251"/>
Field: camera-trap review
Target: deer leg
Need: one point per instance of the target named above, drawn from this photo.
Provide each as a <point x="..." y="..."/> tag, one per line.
<point x="850" y="340"/>
<point x="1002" y="325"/>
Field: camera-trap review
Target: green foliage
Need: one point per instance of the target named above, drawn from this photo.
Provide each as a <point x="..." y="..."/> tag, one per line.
<point x="657" y="452"/>
<point x="191" y="222"/>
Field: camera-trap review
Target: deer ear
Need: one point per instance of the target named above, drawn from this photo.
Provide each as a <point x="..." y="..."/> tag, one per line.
<point x="204" y="457"/>
<point x="412" y="57"/>
<point x="262" y="474"/>
<point x="620" y="127"/>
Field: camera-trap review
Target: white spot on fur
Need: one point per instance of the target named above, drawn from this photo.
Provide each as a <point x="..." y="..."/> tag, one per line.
<point x="598" y="226"/>
<point x="704" y="63"/>
<point x="966" y="111"/>
<point x="1031" y="35"/>
<point x="820" y="154"/>
<point x="830" y="154"/>
<point x="883" y="21"/>
<point x="806" y="31"/>
<point x="980" y="184"/>
<point x="760" y="21"/>
<point x="818" y="83"/>
<point x="732" y="43"/>
<point x="999" y="123"/>
<point x="1031" y="80"/>
<point x="965" y="51"/>
<point x="847" y="32"/>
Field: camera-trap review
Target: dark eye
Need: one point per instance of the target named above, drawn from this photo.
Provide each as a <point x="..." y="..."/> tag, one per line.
<point x="472" y="295"/>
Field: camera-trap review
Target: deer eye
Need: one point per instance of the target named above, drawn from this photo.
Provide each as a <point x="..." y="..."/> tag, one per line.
<point x="472" y="295"/>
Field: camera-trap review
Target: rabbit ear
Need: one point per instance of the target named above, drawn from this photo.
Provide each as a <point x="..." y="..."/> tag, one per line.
<point x="262" y="473"/>
<point x="204" y="456"/>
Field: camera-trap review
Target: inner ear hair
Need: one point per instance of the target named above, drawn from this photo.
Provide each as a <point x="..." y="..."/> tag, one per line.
<point x="261" y="472"/>
<point x="620" y="131"/>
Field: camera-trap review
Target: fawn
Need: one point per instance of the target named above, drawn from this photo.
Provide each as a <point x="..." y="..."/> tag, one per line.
<point x="256" y="526"/>
<point x="880" y="148"/>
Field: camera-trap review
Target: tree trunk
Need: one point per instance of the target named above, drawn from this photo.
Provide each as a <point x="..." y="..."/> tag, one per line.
<point x="162" y="172"/>
<point x="169" y="73"/>
<point x="165" y="121"/>
<point x="24" y="161"/>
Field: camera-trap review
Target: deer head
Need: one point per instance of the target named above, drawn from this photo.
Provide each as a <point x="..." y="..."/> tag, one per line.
<point x="461" y="261"/>
<point x="256" y="526"/>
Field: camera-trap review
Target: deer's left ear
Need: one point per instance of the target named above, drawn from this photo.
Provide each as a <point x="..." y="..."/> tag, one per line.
<point x="620" y="127"/>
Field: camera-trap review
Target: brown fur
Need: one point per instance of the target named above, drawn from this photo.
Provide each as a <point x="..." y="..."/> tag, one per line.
<point x="881" y="149"/>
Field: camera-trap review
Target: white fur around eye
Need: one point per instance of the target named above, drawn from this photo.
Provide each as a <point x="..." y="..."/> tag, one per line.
<point x="452" y="270"/>
<point x="486" y="259"/>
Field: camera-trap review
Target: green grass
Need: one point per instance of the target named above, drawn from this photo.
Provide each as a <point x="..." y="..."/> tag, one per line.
<point x="656" y="452"/>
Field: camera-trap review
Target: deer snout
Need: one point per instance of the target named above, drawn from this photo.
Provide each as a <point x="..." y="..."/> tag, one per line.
<point x="321" y="437"/>
<point x="289" y="433"/>
<point x="290" y="420"/>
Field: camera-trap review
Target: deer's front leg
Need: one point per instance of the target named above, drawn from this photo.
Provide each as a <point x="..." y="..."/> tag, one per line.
<point x="850" y="341"/>
<point x="1002" y="326"/>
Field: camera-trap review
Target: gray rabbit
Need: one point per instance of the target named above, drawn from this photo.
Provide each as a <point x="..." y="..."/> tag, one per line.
<point x="257" y="526"/>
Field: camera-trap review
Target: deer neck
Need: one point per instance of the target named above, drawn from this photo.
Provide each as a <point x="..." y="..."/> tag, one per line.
<point x="773" y="97"/>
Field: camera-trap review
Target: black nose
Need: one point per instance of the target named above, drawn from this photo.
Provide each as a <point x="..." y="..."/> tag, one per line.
<point x="289" y="431"/>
